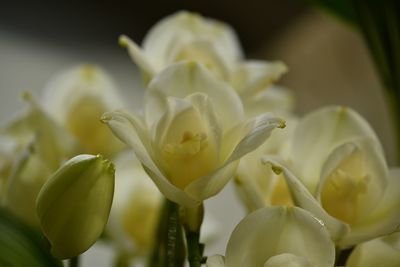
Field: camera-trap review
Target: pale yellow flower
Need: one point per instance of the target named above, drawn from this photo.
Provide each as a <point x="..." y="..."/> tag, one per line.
<point x="76" y="98"/>
<point x="74" y="204"/>
<point x="193" y="132"/>
<point x="337" y="171"/>
<point x="278" y="237"/>
<point x="186" y="36"/>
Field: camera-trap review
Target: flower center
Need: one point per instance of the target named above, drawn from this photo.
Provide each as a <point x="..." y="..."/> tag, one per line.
<point x="344" y="188"/>
<point x="190" y="158"/>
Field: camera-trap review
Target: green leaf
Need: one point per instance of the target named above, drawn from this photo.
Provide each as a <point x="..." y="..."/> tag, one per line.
<point x="22" y="246"/>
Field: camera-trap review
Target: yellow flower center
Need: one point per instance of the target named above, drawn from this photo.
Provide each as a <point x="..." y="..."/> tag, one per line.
<point x="189" y="159"/>
<point x="343" y="191"/>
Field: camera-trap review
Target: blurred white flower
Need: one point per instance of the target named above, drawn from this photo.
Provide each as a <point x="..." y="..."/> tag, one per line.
<point x="278" y="237"/>
<point x="337" y="171"/>
<point x="76" y="98"/>
<point x="136" y="207"/>
<point x="193" y="134"/>
<point x="186" y="36"/>
<point x="32" y="147"/>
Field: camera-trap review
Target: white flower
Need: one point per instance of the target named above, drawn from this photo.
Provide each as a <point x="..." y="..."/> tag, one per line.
<point x="76" y="98"/>
<point x="186" y="36"/>
<point x="384" y="251"/>
<point x="74" y="204"/>
<point x="193" y="134"/>
<point x="278" y="237"/>
<point x="337" y="171"/>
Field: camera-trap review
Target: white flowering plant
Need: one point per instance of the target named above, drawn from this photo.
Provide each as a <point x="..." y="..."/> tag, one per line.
<point x="317" y="189"/>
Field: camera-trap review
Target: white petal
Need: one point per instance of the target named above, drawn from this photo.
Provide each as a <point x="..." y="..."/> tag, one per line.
<point x="377" y="252"/>
<point x="287" y="260"/>
<point x="249" y="135"/>
<point x="273" y="231"/>
<point x="383" y="219"/>
<point x="275" y="99"/>
<point x="183" y="79"/>
<point x="215" y="261"/>
<point x="318" y="133"/>
<point x="303" y="198"/>
<point x="183" y="27"/>
<point x="138" y="56"/>
<point x="130" y="129"/>
<point x="253" y="76"/>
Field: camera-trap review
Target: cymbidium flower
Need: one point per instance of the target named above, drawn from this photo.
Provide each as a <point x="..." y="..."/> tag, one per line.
<point x="278" y="237"/>
<point x="34" y="146"/>
<point x="193" y="132"/>
<point x="383" y="251"/>
<point x="77" y="98"/>
<point x="74" y="204"/>
<point x="337" y="171"/>
<point x="186" y="36"/>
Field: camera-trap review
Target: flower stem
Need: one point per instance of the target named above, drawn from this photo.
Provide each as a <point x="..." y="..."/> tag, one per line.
<point x="169" y="249"/>
<point x="195" y="249"/>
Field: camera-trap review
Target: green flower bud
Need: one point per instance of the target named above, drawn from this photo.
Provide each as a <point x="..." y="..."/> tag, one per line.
<point x="74" y="204"/>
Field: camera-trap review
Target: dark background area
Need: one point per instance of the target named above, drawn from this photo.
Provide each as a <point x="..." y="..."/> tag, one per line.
<point x="87" y="23"/>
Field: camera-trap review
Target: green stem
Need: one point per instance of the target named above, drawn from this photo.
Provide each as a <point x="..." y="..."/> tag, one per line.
<point x="195" y="249"/>
<point x="169" y="249"/>
<point x="74" y="262"/>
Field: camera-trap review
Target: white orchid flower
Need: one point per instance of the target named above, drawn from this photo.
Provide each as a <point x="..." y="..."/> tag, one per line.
<point x="383" y="251"/>
<point x="338" y="172"/>
<point x="186" y="36"/>
<point x="76" y="98"/>
<point x="192" y="134"/>
<point x="278" y="237"/>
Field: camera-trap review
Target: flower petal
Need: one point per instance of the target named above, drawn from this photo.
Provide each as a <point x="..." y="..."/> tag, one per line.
<point x="131" y="130"/>
<point x="253" y="76"/>
<point x="183" y="27"/>
<point x="288" y="260"/>
<point x="383" y="219"/>
<point x="272" y="231"/>
<point x="377" y="252"/>
<point x="138" y="56"/>
<point x="186" y="78"/>
<point x="303" y="198"/>
<point x="242" y="139"/>
<point x="215" y="261"/>
<point x="318" y="133"/>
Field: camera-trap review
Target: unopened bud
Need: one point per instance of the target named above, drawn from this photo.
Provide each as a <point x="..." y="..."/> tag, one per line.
<point x="74" y="204"/>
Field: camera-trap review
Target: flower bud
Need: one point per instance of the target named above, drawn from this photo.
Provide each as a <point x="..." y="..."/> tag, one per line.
<point x="74" y="204"/>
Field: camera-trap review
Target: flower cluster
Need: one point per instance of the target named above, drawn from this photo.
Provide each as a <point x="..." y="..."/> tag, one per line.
<point x="313" y="185"/>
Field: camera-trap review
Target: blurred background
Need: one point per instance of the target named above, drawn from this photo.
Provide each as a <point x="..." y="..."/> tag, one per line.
<point x="327" y="59"/>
